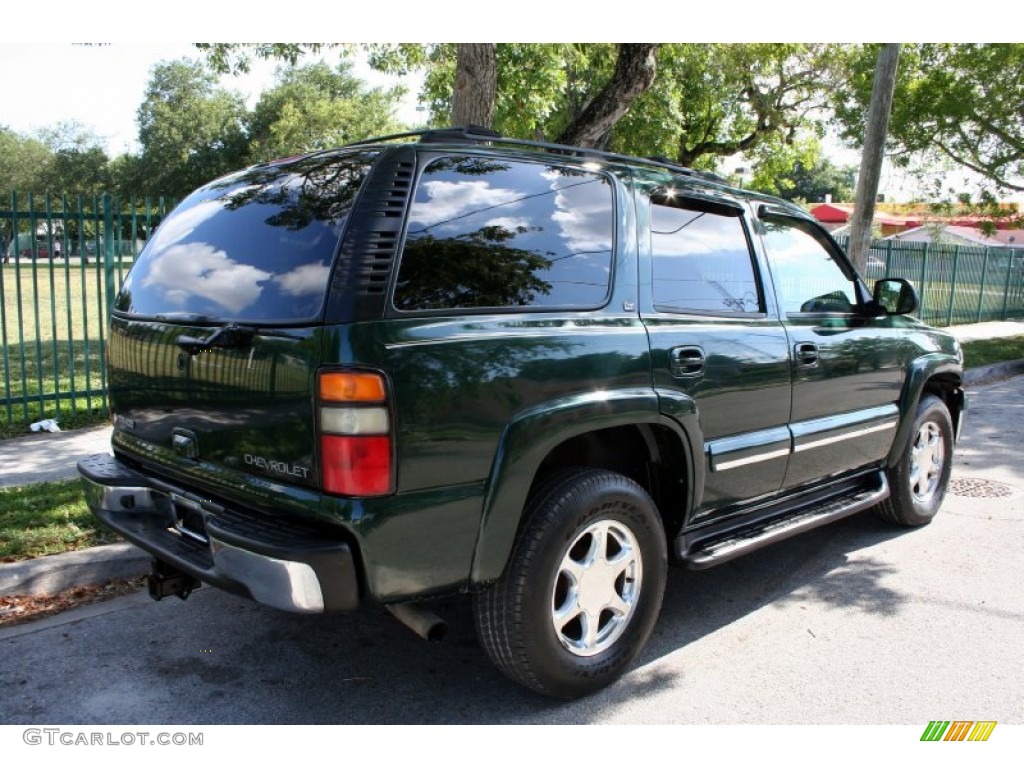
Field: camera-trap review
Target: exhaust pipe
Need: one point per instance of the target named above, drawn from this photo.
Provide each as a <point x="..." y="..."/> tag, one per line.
<point x="424" y="623"/>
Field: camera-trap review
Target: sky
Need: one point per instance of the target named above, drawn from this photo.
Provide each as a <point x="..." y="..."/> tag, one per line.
<point x="108" y="83"/>
<point x="48" y="78"/>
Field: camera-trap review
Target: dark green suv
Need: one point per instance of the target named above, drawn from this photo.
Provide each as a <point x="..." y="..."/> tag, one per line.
<point x="451" y="362"/>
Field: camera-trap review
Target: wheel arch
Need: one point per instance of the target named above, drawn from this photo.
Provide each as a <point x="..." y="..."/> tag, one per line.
<point x="621" y="431"/>
<point x="936" y="374"/>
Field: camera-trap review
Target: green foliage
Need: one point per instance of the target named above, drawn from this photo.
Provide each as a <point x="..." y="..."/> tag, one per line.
<point x="812" y="181"/>
<point x="23" y="161"/>
<point x="707" y="101"/>
<point x="236" y="58"/>
<point x="541" y="86"/>
<point x="316" y="107"/>
<point x="190" y="130"/>
<point x="712" y="101"/>
<point x="77" y="164"/>
<point x="955" y="101"/>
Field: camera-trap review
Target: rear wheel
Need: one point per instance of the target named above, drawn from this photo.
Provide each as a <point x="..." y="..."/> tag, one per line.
<point x="918" y="482"/>
<point x="583" y="588"/>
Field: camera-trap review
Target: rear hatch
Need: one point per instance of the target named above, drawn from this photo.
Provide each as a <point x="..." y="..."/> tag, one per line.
<point x="216" y="334"/>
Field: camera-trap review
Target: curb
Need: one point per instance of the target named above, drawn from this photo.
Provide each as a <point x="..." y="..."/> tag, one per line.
<point x="988" y="373"/>
<point x="54" y="573"/>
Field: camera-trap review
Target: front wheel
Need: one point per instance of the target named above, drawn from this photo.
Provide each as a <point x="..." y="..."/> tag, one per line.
<point x="583" y="588"/>
<point x="918" y="482"/>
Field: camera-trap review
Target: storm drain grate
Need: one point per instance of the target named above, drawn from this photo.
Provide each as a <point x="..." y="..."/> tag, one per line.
<point x="977" y="488"/>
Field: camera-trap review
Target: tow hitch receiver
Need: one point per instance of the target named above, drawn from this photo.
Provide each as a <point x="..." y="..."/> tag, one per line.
<point x="165" y="581"/>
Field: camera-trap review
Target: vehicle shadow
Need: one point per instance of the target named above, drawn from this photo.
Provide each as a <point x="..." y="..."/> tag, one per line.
<point x="223" y="659"/>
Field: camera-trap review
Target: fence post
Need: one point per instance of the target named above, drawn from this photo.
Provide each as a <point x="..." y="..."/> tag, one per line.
<point x="952" y="286"/>
<point x="981" y="291"/>
<point x="924" y="272"/>
<point x="108" y="252"/>
<point x="888" y="258"/>
<point x="1006" y="288"/>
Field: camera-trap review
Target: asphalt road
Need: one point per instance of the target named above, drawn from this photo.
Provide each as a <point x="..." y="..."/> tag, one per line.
<point x="857" y="623"/>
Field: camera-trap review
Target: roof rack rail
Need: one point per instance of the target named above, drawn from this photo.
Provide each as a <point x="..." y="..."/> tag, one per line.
<point x="481" y="134"/>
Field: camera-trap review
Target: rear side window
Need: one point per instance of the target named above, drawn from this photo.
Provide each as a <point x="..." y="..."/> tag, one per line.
<point x="256" y="246"/>
<point x="486" y="233"/>
<point x="701" y="262"/>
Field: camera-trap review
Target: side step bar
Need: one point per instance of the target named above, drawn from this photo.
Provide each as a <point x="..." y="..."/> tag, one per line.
<point x="732" y="544"/>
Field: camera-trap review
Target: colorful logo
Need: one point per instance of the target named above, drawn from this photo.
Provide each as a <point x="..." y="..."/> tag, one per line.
<point x="958" y="730"/>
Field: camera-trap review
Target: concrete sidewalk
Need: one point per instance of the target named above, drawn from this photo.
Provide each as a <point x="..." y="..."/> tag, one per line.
<point x="45" y="456"/>
<point x="997" y="329"/>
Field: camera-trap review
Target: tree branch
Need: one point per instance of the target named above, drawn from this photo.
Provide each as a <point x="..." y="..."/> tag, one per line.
<point x="634" y="73"/>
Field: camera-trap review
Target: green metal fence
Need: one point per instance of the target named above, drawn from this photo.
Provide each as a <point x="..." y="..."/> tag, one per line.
<point x="61" y="260"/>
<point x="957" y="284"/>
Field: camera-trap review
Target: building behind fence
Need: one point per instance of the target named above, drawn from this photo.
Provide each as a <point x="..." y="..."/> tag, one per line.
<point x="63" y="259"/>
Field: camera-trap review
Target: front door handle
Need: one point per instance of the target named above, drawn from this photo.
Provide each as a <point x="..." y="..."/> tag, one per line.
<point x="686" y="362"/>
<point x="807" y="354"/>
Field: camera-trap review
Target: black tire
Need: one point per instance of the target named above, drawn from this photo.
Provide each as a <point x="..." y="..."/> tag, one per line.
<point x="918" y="482"/>
<point x="531" y="622"/>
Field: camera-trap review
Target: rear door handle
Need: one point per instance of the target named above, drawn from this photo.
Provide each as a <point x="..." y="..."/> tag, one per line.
<point x="686" y="362"/>
<point x="806" y="354"/>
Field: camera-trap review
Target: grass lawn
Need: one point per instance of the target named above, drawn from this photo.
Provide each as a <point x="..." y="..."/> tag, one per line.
<point x="45" y="519"/>
<point x="989" y="351"/>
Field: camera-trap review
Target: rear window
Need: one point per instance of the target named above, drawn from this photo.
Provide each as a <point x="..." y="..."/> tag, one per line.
<point x="486" y="233"/>
<point x="256" y="246"/>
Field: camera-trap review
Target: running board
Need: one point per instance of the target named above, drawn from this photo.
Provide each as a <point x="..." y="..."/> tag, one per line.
<point x="726" y="546"/>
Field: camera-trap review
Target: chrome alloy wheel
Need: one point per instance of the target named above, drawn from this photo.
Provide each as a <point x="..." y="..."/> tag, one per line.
<point x="926" y="461"/>
<point x="597" y="588"/>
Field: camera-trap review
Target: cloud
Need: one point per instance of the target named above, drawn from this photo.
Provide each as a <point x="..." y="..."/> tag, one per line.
<point x="450" y="200"/>
<point x="187" y="270"/>
<point x="304" y="280"/>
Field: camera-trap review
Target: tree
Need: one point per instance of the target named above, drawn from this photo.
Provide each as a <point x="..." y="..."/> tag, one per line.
<point x="814" y="181"/>
<point x="958" y="101"/>
<point x="635" y="68"/>
<point x="705" y="101"/>
<point x="78" y="164"/>
<point x="23" y="161"/>
<point x="714" y="101"/>
<point x="475" y="84"/>
<point x="190" y="130"/>
<point x="315" y="107"/>
<point x="884" y="83"/>
<point x="574" y="94"/>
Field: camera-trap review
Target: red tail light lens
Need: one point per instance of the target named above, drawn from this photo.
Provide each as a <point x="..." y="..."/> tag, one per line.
<point x="356" y="466"/>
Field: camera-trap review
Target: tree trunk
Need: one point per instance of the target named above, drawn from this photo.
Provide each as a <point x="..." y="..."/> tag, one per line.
<point x="874" y="150"/>
<point x="476" y="84"/>
<point x="634" y="74"/>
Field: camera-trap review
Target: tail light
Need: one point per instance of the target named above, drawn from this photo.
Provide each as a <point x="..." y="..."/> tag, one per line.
<point x="356" y="451"/>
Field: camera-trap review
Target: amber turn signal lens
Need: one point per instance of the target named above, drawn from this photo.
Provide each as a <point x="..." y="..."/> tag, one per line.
<point x="351" y="387"/>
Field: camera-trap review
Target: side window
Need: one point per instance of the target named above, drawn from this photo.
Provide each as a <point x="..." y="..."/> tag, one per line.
<point x="701" y="262"/>
<point x="807" y="278"/>
<point x="499" y="233"/>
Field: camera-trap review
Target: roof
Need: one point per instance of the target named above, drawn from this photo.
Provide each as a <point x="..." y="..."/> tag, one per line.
<point x="1000" y="238"/>
<point x="836" y="213"/>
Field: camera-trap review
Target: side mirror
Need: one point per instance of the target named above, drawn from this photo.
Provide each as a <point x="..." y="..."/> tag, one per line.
<point x="897" y="296"/>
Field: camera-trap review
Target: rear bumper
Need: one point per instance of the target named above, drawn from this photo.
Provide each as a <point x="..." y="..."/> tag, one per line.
<point x="279" y="563"/>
